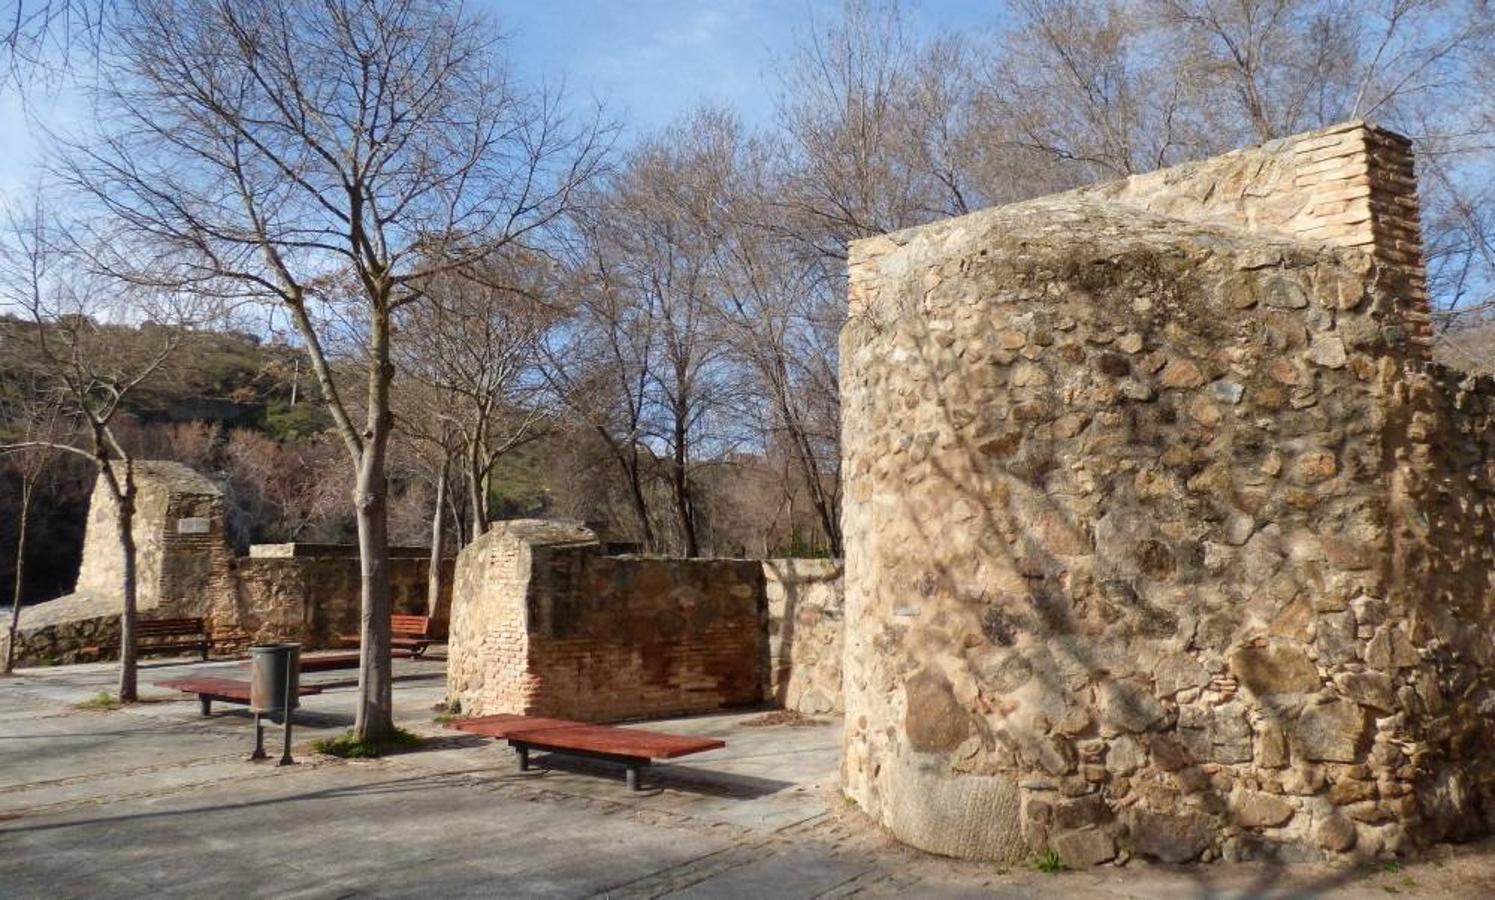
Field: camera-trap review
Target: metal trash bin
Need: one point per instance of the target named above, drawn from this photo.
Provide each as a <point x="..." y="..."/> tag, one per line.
<point x="274" y="690"/>
<point x="275" y="675"/>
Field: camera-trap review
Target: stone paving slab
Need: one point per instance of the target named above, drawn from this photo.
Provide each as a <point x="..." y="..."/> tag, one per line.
<point x="154" y="801"/>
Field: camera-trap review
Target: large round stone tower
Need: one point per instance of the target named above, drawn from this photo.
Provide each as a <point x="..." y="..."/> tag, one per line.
<point x="1162" y="536"/>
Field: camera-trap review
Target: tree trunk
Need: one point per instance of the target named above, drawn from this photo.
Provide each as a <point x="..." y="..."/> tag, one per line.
<point x="438" y="515"/>
<point x="128" y="642"/>
<point x="628" y="462"/>
<point x="829" y="524"/>
<point x="375" y="717"/>
<point x="476" y="494"/>
<point x="681" y="482"/>
<point x="27" y="486"/>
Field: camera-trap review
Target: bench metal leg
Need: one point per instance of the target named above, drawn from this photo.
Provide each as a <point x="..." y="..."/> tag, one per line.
<point x="206" y="703"/>
<point x="633" y="776"/>
<point x="522" y="751"/>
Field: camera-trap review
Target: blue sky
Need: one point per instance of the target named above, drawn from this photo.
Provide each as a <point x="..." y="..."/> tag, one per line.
<point x="649" y="60"/>
<point x="653" y="59"/>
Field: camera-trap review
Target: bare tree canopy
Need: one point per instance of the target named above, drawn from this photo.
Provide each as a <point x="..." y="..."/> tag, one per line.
<point x="329" y="158"/>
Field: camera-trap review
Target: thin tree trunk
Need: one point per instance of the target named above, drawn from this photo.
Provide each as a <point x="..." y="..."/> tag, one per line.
<point x="438" y="533"/>
<point x="125" y="521"/>
<point x="475" y="494"/>
<point x="682" y="493"/>
<point x="27" y="486"/>
<point x="629" y="463"/>
<point x="828" y="523"/>
<point x="459" y="521"/>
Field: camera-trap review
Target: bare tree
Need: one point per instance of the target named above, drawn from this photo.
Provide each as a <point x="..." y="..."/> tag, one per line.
<point x="77" y="359"/>
<point x="41" y="38"/>
<point x="474" y="348"/>
<point x="328" y="157"/>
<point x="29" y="415"/>
<point x="602" y="367"/>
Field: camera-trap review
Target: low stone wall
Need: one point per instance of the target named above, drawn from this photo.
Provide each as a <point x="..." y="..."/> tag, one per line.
<point x="313" y="599"/>
<point x="805" y="624"/>
<point x="304" y="592"/>
<point x="56" y="632"/>
<point x="545" y="623"/>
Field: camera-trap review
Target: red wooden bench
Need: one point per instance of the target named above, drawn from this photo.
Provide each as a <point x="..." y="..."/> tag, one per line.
<point x="412" y="633"/>
<point x="328" y="661"/>
<point x="632" y="747"/>
<point x="154" y="635"/>
<point x="226" y="690"/>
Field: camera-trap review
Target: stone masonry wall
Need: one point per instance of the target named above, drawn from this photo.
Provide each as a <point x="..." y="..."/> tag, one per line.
<point x="1162" y="540"/>
<point x="313" y="599"/>
<point x="1350" y="185"/>
<point x="545" y="623"/>
<point x="805" y="625"/>
<point x="183" y="567"/>
<point x="487" y="670"/>
<point x="182" y="561"/>
<point x="304" y="592"/>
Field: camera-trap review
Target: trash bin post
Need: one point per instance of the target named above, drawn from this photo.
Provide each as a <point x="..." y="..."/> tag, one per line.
<point x="290" y="688"/>
<point x="259" y="738"/>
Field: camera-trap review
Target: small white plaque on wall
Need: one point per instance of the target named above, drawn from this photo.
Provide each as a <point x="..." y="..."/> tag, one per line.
<point x="194" y="525"/>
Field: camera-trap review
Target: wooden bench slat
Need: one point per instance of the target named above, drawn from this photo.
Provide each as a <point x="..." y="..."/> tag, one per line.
<point x="567" y="735"/>
<point x="502" y="725"/>
<point x="619" y="741"/>
<point x="329" y="661"/>
<point x="406" y="632"/>
<point x="219" y="688"/>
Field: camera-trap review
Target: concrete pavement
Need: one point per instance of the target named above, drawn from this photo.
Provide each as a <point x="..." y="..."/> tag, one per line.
<point x="153" y="800"/>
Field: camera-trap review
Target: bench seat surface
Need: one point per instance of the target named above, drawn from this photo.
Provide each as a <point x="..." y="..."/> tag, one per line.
<point x="563" y="734"/>
<point x="222" y="688"/>
<point x="327" y="661"/>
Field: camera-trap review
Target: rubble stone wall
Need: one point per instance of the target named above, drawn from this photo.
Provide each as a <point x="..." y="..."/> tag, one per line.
<point x="1351" y="185"/>
<point x="185" y="568"/>
<point x="805" y="623"/>
<point x="1162" y="540"/>
<point x="313" y="599"/>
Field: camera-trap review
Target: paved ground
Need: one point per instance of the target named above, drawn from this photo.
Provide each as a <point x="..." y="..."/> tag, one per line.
<point x="155" y="801"/>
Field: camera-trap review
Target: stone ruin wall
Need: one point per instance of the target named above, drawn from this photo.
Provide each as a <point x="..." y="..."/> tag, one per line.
<point x="805" y="625"/>
<point x="313" y="599"/>
<point x="1162" y="539"/>
<point x="487" y="669"/>
<point x="545" y="623"/>
<point x="185" y="568"/>
<point x="1351" y="185"/>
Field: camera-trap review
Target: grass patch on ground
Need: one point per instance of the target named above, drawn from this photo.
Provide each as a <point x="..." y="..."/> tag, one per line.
<point x="346" y="746"/>
<point x="447" y="711"/>
<point x="1049" y="862"/>
<point x="103" y="700"/>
